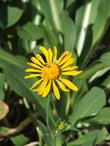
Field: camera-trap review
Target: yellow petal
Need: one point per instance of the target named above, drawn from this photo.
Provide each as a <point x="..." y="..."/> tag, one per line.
<point x="32" y="76"/>
<point x="45" y="52"/>
<point x="54" y="54"/>
<point x="62" y="86"/>
<point x="71" y="73"/>
<point x="42" y="87"/>
<point x="39" y="58"/>
<point x="65" y="59"/>
<point x="47" y="89"/>
<point x="69" y="84"/>
<point x="36" y="61"/>
<point x="32" y="70"/>
<point x="50" y="55"/>
<point x="36" y="83"/>
<point x="56" y="91"/>
<point x="62" y="56"/>
<point x="69" y="68"/>
<point x="70" y="61"/>
<point x="33" y="65"/>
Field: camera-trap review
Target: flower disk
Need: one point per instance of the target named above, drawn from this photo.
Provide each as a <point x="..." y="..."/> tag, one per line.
<point x="50" y="73"/>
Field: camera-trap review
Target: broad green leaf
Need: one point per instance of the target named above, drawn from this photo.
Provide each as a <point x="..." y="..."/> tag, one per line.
<point x="4" y="109"/>
<point x="8" y="58"/>
<point x="106" y="82"/>
<point x="89" y="105"/>
<point x="84" y="27"/>
<point x="79" y="18"/>
<point x="19" y="140"/>
<point x="103" y="117"/>
<point x="95" y="5"/>
<point x="91" y="136"/>
<point x="101" y="136"/>
<point x="14" y="14"/>
<point x="97" y="29"/>
<point x="90" y="143"/>
<point x="69" y="31"/>
<point x="30" y="32"/>
<point x="99" y="74"/>
<point x="101" y="23"/>
<point x="105" y="58"/>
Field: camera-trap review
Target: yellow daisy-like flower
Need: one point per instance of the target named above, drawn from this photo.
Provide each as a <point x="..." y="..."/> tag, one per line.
<point x="50" y="73"/>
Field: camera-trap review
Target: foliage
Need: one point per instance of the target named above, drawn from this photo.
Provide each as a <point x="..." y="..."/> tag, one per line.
<point x="80" y="118"/>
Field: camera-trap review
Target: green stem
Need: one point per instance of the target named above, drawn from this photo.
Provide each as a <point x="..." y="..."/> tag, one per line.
<point x="47" y="116"/>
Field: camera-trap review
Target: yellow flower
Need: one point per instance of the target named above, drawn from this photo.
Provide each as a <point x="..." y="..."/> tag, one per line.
<point x="51" y="71"/>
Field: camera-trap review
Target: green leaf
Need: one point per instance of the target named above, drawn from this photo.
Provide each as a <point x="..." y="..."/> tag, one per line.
<point x="14" y="14"/>
<point x="106" y="82"/>
<point x="90" y="143"/>
<point x="50" y="36"/>
<point x="51" y="10"/>
<point x="8" y="58"/>
<point x="69" y="31"/>
<point x="83" y="88"/>
<point x="103" y="117"/>
<point x="79" y="18"/>
<point x="4" y="109"/>
<point x="95" y="6"/>
<point x="19" y="140"/>
<point x="90" y="137"/>
<point x="89" y="105"/>
<point x="84" y="36"/>
<point x="101" y="136"/>
<point x="101" y="23"/>
<point x="105" y="58"/>
<point x="47" y="137"/>
<point x="2" y="94"/>
<point x="2" y="79"/>
<point x="30" y="32"/>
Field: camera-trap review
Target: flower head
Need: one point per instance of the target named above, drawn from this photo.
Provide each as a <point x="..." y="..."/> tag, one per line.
<point x="51" y="71"/>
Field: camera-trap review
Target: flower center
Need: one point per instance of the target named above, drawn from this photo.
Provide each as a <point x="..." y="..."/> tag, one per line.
<point x="51" y="71"/>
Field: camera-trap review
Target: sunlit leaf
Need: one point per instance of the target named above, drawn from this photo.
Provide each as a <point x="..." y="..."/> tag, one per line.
<point x="89" y="105"/>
